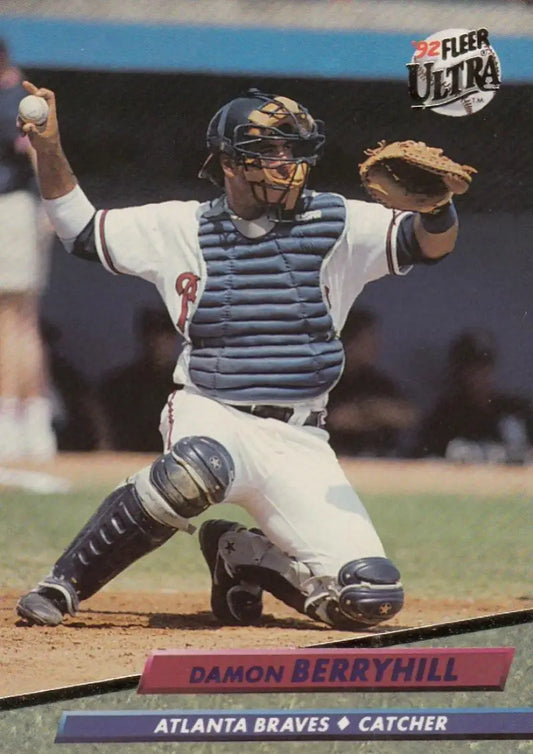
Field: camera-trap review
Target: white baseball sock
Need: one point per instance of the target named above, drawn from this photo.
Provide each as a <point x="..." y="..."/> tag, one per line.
<point x="39" y="437"/>
<point x="11" y="432"/>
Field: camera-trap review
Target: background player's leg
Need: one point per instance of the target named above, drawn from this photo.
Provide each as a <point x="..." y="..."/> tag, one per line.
<point x="11" y="437"/>
<point x="25" y="410"/>
<point x="39" y="438"/>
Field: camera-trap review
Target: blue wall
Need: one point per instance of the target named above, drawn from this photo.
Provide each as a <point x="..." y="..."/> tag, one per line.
<point x="108" y="46"/>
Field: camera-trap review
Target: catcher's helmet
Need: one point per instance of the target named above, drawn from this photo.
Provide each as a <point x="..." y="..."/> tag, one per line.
<point x="243" y="127"/>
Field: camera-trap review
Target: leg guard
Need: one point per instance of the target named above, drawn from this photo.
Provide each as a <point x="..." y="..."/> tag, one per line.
<point x="233" y="601"/>
<point x="134" y="520"/>
<point x="365" y="592"/>
<point x="370" y="592"/>
<point x="119" y="533"/>
<point x="250" y="558"/>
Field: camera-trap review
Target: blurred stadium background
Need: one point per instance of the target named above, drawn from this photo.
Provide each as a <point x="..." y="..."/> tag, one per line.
<point x="137" y="83"/>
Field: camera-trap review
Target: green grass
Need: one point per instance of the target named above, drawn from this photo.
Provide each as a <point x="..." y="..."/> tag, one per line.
<point x="445" y="545"/>
<point x="458" y="545"/>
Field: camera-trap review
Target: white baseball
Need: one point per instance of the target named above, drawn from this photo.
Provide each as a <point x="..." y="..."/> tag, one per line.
<point x="33" y="109"/>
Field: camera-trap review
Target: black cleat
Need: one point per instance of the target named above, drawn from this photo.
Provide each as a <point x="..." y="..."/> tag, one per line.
<point x="233" y="602"/>
<point x="48" y="603"/>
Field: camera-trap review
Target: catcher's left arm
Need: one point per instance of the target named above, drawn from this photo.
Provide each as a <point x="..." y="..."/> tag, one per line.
<point x="409" y="175"/>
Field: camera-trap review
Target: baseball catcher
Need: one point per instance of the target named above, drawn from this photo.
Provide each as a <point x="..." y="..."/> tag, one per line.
<point x="259" y="282"/>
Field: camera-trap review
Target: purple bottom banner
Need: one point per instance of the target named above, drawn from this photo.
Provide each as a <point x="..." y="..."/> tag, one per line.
<point x="297" y="725"/>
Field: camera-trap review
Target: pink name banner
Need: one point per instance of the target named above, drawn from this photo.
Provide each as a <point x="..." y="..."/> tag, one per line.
<point x="241" y="671"/>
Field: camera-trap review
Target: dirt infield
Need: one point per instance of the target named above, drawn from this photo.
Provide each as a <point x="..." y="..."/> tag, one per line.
<point x="115" y="631"/>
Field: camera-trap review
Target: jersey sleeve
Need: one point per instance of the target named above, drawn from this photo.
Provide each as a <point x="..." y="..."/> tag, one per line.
<point x="372" y="232"/>
<point x="139" y="240"/>
<point x="366" y="251"/>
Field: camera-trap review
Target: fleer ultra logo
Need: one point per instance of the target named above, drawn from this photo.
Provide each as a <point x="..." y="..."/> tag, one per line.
<point x="454" y="72"/>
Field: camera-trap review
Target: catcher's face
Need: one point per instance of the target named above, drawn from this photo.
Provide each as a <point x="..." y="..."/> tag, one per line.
<point x="275" y="174"/>
<point x="276" y="147"/>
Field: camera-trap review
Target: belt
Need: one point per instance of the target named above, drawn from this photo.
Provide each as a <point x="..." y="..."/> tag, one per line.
<point x="314" y="419"/>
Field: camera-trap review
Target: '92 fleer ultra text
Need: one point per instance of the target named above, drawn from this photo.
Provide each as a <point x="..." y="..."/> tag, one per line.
<point x="454" y="72"/>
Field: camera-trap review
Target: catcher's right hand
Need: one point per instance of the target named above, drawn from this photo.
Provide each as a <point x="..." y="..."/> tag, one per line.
<point x="47" y="134"/>
<point x="409" y="175"/>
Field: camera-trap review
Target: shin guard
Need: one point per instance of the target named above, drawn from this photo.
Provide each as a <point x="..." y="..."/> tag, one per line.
<point x="118" y="534"/>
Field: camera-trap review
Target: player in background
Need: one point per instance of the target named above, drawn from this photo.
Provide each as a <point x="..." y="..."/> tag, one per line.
<point x="473" y="420"/>
<point x="25" y="410"/>
<point x="259" y="283"/>
<point x="368" y="413"/>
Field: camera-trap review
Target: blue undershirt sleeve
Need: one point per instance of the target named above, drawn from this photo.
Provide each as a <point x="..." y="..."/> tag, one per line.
<point x="408" y="249"/>
<point x="85" y="243"/>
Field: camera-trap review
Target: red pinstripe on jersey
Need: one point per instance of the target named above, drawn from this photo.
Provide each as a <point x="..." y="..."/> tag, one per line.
<point x="103" y="243"/>
<point x="388" y="246"/>
<point x="170" y="404"/>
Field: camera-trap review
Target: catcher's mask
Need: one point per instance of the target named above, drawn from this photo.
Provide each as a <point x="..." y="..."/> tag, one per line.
<point x="273" y="138"/>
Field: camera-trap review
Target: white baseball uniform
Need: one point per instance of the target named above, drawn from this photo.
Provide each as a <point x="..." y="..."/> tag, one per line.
<point x="286" y="475"/>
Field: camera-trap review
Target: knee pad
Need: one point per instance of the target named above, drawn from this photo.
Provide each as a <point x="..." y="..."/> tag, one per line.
<point x="195" y="473"/>
<point x="370" y="590"/>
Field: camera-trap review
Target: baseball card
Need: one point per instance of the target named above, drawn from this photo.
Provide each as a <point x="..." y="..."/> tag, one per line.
<point x="266" y="407"/>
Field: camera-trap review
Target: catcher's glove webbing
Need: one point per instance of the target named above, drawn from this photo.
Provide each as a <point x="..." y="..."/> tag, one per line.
<point x="409" y="175"/>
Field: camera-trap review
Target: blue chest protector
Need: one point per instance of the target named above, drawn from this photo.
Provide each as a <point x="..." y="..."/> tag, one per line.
<point x="262" y="332"/>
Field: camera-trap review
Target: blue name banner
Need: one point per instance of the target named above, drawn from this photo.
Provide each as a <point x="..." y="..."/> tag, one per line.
<point x="310" y="725"/>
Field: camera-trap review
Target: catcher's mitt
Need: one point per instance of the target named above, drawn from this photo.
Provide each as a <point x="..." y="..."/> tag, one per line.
<point x="409" y="175"/>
